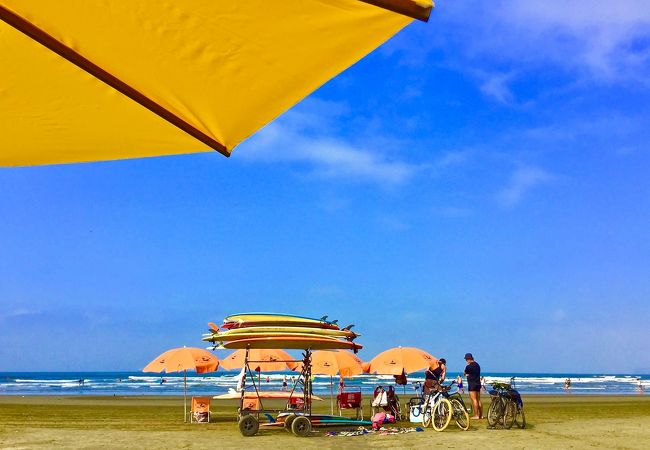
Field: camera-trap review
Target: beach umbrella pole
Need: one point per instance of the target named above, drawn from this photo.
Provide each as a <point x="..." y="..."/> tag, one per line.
<point x="185" y="396"/>
<point x="331" y="395"/>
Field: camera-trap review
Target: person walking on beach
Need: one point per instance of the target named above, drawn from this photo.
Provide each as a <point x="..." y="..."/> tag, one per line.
<point x="473" y="374"/>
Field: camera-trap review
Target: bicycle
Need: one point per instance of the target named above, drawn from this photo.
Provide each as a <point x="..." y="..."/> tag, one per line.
<point x="506" y="407"/>
<point x="460" y="412"/>
<point x="439" y="407"/>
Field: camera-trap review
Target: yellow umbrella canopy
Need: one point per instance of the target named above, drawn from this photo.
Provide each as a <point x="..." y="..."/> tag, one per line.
<point x="84" y="80"/>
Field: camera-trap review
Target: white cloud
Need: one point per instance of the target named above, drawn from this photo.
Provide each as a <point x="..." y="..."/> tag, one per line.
<point x="306" y="136"/>
<point x="17" y="313"/>
<point x="496" y="86"/>
<point x="597" y="42"/>
<point x="522" y="181"/>
<point x="603" y="37"/>
<point x="452" y="159"/>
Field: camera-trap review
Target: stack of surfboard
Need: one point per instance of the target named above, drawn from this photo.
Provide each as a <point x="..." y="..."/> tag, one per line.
<point x="280" y="331"/>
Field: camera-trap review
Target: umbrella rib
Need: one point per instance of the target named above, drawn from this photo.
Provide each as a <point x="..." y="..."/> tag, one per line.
<point x="53" y="44"/>
<point x="409" y="8"/>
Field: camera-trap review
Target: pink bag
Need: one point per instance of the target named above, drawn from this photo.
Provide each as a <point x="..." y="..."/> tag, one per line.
<point x="378" y="419"/>
<point x="381" y="418"/>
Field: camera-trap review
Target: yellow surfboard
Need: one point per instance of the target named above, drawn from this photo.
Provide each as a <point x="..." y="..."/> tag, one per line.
<point x="293" y="343"/>
<point x="224" y="337"/>
<point x="258" y="319"/>
<point x="347" y="334"/>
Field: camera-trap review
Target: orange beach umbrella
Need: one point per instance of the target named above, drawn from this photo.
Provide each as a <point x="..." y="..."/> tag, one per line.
<point x="335" y="362"/>
<point x="266" y="360"/>
<point x="398" y="360"/>
<point x="184" y="359"/>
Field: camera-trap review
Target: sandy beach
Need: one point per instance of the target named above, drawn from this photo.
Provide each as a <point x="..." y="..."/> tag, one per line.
<point x="156" y="422"/>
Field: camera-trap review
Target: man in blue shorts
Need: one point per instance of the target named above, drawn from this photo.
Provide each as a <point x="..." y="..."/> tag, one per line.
<point x="473" y="374"/>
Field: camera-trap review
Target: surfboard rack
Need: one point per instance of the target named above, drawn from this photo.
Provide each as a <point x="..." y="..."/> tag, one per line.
<point x="248" y="418"/>
<point x="298" y="420"/>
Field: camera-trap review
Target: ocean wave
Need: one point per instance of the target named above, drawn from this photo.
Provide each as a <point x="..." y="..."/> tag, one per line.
<point x="219" y="382"/>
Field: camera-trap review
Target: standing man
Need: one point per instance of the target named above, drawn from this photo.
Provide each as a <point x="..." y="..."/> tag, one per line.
<point x="473" y="374"/>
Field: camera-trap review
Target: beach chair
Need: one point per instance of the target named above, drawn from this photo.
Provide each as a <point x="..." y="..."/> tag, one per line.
<point x="350" y="400"/>
<point x="385" y="399"/>
<point x="200" y="410"/>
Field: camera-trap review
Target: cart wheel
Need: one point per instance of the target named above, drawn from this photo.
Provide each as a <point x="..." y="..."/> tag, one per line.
<point x="301" y="426"/>
<point x="248" y="425"/>
<point x="288" y="421"/>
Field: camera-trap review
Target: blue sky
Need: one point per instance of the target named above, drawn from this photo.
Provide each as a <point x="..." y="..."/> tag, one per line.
<point x="479" y="183"/>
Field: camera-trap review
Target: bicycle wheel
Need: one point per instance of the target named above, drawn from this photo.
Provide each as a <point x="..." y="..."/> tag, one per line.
<point x="426" y="414"/>
<point x="460" y="415"/>
<point x="495" y="412"/>
<point x="509" y="414"/>
<point x="441" y="414"/>
<point x="520" y="418"/>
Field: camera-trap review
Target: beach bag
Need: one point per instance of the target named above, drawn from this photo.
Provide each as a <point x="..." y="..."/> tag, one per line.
<point x="381" y="418"/>
<point x="381" y="399"/>
<point x="378" y="419"/>
<point x="415" y="414"/>
<point x="516" y="397"/>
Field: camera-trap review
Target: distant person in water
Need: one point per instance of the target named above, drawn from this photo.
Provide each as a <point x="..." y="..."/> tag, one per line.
<point x="284" y="383"/>
<point x="567" y="384"/>
<point x="473" y="374"/>
<point x="459" y="382"/>
<point x="484" y="385"/>
<point x="81" y="382"/>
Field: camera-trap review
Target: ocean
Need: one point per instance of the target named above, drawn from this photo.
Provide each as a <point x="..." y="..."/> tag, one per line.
<point x="138" y="383"/>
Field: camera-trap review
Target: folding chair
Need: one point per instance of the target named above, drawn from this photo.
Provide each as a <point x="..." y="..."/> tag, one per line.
<point x="200" y="410"/>
<point x="296" y="403"/>
<point x="386" y="400"/>
<point x="350" y="400"/>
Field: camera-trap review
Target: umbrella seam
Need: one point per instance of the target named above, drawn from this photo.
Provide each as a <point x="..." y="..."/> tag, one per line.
<point x="408" y="8"/>
<point x="42" y="37"/>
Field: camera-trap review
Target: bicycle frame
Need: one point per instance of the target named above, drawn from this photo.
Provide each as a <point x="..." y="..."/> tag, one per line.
<point x="431" y="401"/>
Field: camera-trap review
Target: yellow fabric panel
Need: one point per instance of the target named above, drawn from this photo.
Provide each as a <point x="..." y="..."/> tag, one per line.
<point x="227" y="67"/>
<point x="53" y="112"/>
